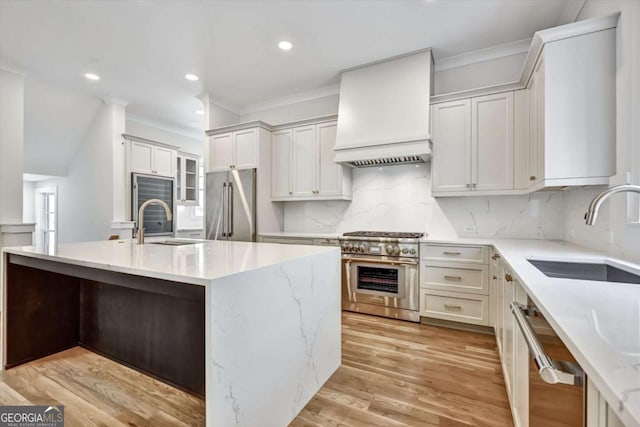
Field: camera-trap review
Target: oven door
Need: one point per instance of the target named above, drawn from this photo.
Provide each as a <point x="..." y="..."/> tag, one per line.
<point x="389" y="283"/>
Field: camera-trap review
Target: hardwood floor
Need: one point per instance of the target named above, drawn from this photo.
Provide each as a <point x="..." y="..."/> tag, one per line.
<point x="394" y="373"/>
<point x="397" y="373"/>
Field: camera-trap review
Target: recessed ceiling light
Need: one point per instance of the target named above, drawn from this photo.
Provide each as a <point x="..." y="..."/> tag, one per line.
<point x="200" y="112"/>
<point x="191" y="77"/>
<point x="285" y="45"/>
<point x="91" y="76"/>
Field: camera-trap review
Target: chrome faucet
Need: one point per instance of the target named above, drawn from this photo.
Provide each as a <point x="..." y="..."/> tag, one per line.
<point x="592" y="213"/>
<point x="141" y="216"/>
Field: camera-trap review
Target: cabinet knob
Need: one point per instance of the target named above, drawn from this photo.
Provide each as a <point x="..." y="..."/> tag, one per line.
<point x="495" y="277"/>
<point x="508" y="278"/>
<point x="495" y="257"/>
<point x="291" y="193"/>
<point x="468" y="185"/>
<point x="473" y="185"/>
<point x="532" y="178"/>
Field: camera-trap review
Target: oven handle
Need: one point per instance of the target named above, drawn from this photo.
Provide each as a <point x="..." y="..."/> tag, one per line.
<point x="347" y="272"/>
<point x="380" y="261"/>
<point x="548" y="368"/>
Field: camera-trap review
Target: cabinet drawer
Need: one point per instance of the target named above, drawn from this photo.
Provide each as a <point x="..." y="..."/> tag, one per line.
<point x="469" y="278"/>
<point x="454" y="306"/>
<point x="476" y="254"/>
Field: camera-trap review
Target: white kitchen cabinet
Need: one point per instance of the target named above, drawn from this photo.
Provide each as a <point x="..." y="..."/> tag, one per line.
<point x="233" y="150"/>
<point x="451" y="163"/>
<point x="149" y="158"/>
<point x="303" y="167"/>
<point x="599" y="413"/>
<point x="304" y="161"/>
<point x="508" y="332"/>
<point x="473" y="144"/>
<point x="454" y="283"/>
<point x="492" y="142"/>
<point x="187" y="179"/>
<point x="281" y="163"/>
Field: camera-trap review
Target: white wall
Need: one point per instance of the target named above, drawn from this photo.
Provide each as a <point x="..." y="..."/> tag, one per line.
<point x="398" y="198"/>
<point x="28" y="201"/>
<point x="613" y="232"/>
<point x="187" y="143"/>
<point x="11" y="146"/>
<point x="297" y="111"/>
<point x="86" y="195"/>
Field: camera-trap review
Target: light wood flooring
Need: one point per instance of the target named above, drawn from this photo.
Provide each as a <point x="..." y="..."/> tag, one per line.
<point x="394" y="373"/>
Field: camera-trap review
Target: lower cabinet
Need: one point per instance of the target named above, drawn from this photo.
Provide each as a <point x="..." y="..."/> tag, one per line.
<point x="454" y="283"/>
<point x="517" y="363"/>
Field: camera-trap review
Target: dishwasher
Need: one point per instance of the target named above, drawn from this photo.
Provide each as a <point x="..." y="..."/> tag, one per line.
<point x="557" y="392"/>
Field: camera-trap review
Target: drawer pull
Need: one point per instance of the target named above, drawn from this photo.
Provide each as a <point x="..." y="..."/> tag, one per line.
<point x="452" y="277"/>
<point x="451" y="253"/>
<point x="452" y="307"/>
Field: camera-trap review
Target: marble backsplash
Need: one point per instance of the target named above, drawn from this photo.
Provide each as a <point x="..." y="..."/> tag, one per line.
<point x="398" y="198"/>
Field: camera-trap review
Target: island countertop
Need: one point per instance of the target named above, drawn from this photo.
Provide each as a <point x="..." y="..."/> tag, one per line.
<point x="198" y="263"/>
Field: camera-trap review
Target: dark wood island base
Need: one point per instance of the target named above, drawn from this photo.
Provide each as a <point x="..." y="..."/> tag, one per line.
<point x="155" y="326"/>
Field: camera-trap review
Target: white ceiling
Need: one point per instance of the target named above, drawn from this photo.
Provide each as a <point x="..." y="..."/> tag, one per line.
<point x="142" y="49"/>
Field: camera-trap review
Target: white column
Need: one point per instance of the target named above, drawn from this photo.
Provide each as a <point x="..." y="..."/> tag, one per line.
<point x="12" y="229"/>
<point x="121" y="225"/>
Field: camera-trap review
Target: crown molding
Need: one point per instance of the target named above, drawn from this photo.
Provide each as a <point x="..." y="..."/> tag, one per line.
<point x="571" y="11"/>
<point x="292" y="99"/>
<point x="482" y="55"/>
<point x="167" y="127"/>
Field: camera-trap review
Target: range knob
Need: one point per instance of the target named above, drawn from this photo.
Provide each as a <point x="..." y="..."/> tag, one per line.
<point x="389" y="249"/>
<point x="405" y="251"/>
<point x="361" y="248"/>
<point x="412" y="251"/>
<point x="396" y="250"/>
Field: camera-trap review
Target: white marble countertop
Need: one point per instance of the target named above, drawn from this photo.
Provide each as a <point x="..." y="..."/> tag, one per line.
<point x="301" y="235"/>
<point x="598" y="321"/>
<point x="197" y="263"/>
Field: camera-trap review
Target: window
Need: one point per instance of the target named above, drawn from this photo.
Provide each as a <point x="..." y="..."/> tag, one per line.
<point x="49" y="220"/>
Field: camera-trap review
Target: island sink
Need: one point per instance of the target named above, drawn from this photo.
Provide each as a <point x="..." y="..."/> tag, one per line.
<point x="601" y="272"/>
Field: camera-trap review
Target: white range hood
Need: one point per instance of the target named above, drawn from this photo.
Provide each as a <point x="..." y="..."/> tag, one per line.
<point x="383" y="116"/>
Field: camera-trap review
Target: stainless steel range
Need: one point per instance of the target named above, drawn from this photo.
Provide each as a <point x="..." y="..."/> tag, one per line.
<point x="380" y="273"/>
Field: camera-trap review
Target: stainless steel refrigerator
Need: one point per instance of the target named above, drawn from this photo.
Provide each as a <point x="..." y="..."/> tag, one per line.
<point x="231" y="205"/>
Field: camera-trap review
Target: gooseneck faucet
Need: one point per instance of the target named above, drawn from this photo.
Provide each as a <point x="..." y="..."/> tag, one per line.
<point x="592" y="213"/>
<point x="166" y="207"/>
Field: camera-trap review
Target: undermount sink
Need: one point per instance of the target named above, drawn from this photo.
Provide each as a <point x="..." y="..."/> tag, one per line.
<point x="601" y="272"/>
<point x="173" y="242"/>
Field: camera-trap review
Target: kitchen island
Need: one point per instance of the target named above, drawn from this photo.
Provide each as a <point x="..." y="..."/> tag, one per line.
<point x="253" y="328"/>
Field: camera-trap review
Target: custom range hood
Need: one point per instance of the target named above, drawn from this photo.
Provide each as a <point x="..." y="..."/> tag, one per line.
<point x="383" y="116"/>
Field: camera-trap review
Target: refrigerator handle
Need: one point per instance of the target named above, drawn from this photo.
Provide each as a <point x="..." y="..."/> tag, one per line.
<point x="230" y="199"/>
<point x="224" y="203"/>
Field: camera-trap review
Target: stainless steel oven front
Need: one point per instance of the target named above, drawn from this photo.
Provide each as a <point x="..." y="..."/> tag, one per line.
<point x="381" y="285"/>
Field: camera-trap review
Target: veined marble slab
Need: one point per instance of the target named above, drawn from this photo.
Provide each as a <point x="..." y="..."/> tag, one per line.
<point x="272" y="317"/>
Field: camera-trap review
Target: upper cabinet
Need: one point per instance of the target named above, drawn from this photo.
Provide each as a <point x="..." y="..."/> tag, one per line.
<point x="556" y="130"/>
<point x="473" y="144"/>
<point x="572" y="113"/>
<point x="233" y="150"/>
<point x="150" y="158"/>
<point x="303" y="166"/>
<point x="187" y="179"/>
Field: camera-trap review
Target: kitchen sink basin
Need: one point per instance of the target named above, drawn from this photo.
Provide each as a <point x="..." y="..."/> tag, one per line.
<point x="585" y="271"/>
<point x="173" y="242"/>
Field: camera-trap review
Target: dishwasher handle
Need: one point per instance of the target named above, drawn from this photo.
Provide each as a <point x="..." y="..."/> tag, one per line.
<point x="551" y="371"/>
